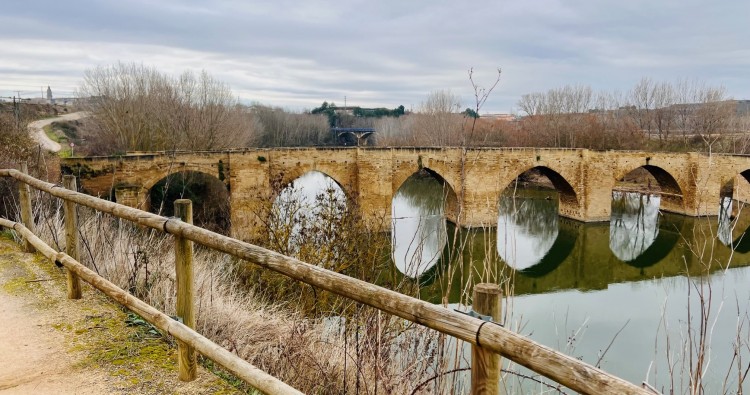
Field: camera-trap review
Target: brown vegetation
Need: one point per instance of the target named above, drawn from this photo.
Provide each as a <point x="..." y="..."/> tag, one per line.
<point x="349" y="348"/>
<point x="16" y="146"/>
<point x="276" y="127"/>
<point x="680" y="116"/>
<point x="683" y="116"/>
<point x="137" y="108"/>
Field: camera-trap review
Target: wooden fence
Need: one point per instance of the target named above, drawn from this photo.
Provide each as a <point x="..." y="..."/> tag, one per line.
<point x="487" y="339"/>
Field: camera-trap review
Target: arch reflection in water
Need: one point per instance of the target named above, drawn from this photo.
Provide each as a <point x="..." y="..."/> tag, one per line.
<point x="527" y="226"/>
<point x="734" y="225"/>
<point x="634" y="224"/>
<point x="418" y="228"/>
<point x="304" y="200"/>
<point x="724" y="232"/>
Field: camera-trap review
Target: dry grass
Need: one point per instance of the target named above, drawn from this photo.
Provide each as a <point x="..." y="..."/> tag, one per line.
<point x="349" y="348"/>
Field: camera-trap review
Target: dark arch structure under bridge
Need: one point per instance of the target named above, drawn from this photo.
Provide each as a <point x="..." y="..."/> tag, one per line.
<point x="690" y="182"/>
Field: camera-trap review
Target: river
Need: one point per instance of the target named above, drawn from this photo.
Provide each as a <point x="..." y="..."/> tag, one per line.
<point x="614" y="294"/>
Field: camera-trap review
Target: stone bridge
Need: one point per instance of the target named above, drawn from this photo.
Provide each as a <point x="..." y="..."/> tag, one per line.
<point x="691" y="183"/>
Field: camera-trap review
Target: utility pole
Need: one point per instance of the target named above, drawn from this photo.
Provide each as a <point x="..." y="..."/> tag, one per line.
<point x="17" y="112"/>
<point x="16" y="108"/>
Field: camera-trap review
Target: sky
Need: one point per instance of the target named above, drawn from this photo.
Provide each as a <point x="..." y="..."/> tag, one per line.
<point x="297" y="54"/>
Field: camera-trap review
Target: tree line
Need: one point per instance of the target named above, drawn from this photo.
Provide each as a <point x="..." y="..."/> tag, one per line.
<point x="138" y="108"/>
<point x="680" y="115"/>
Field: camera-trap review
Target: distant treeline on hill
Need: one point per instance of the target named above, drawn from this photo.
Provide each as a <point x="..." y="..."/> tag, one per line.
<point x="335" y="114"/>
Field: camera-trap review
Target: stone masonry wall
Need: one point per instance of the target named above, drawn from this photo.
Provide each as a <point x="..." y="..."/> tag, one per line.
<point x="474" y="177"/>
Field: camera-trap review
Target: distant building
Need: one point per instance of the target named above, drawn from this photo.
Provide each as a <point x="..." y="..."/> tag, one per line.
<point x="743" y="107"/>
<point x="499" y="117"/>
<point x="50" y="99"/>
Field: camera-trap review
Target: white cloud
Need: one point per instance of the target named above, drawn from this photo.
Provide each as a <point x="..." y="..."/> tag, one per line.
<point x="297" y="54"/>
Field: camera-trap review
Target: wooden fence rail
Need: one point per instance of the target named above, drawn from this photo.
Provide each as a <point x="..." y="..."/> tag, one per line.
<point x="566" y="370"/>
<point x="238" y="366"/>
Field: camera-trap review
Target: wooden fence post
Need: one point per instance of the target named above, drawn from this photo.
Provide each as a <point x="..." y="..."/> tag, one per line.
<point x="183" y="208"/>
<point x="27" y="217"/>
<point x="71" y="237"/>
<point x="485" y="365"/>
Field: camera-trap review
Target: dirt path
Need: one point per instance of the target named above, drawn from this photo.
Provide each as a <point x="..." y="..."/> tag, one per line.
<point x="52" y="345"/>
<point x="36" y="129"/>
<point x="33" y="357"/>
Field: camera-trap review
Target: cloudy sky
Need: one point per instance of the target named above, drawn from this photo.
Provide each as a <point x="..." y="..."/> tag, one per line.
<point x="296" y="54"/>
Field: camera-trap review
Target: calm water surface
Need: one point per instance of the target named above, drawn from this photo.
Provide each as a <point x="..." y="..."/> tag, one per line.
<point x="617" y="286"/>
<point x="586" y="288"/>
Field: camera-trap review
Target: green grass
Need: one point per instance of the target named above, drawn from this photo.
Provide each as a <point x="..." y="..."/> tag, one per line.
<point x="51" y="133"/>
<point x="57" y="136"/>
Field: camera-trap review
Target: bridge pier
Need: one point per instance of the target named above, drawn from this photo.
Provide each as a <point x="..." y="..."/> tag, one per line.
<point x="132" y="196"/>
<point x="741" y="189"/>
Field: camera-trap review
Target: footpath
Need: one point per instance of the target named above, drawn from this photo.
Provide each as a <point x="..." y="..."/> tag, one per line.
<point x="36" y="129"/>
<point x="52" y="345"/>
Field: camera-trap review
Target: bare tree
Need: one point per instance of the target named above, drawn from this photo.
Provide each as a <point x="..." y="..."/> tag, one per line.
<point x="532" y="103"/>
<point x="438" y="121"/>
<point x="280" y="128"/>
<point x="138" y="108"/>
<point x="393" y="131"/>
<point x="480" y="97"/>
<point x="561" y="116"/>
<point x="663" y="95"/>
<point x="712" y="115"/>
<point x="642" y="101"/>
<point x="574" y="116"/>
<point x="741" y="128"/>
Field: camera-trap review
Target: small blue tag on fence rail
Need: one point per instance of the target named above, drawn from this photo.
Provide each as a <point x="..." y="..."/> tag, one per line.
<point x="472" y="313"/>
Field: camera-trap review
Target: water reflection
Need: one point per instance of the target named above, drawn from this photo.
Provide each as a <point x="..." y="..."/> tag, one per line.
<point x="527" y="227"/>
<point x="626" y="274"/>
<point x="418" y="226"/>
<point x="724" y="232"/>
<point x="634" y="224"/>
<point x="733" y="225"/>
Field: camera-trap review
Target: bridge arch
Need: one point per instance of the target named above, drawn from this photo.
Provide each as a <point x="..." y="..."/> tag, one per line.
<point x="569" y="204"/>
<point x="669" y="188"/>
<point x="287" y="182"/>
<point x="218" y="169"/>
<point x="737" y="188"/>
<point x="450" y="197"/>
<point x="283" y="180"/>
<point x="421" y="208"/>
<point x="209" y="194"/>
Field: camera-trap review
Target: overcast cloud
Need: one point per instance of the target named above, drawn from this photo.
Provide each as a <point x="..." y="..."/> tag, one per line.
<point x="296" y="54"/>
